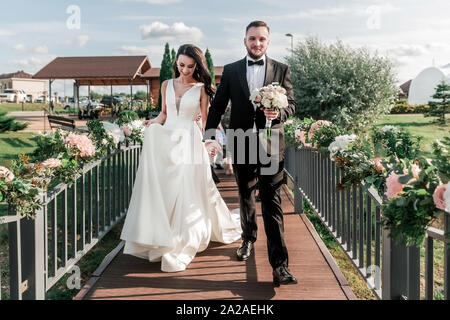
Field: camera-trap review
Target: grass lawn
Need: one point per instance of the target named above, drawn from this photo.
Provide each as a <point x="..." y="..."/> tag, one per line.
<point x="10" y="107"/>
<point x="418" y="125"/>
<point x="14" y="143"/>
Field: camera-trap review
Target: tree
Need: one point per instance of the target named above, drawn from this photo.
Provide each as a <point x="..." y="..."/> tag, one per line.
<point x="347" y="86"/>
<point x="210" y="65"/>
<point x="140" y="95"/>
<point x="440" y="108"/>
<point x="166" y="70"/>
<point x="8" y="123"/>
<point x="173" y="56"/>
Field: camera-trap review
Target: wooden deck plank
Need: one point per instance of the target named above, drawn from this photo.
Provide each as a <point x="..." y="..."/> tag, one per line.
<point x="216" y="273"/>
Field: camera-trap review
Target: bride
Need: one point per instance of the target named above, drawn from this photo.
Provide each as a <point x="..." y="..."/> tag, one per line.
<point x="175" y="208"/>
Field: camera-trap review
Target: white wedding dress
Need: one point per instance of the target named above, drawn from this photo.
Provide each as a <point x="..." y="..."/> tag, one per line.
<point x="175" y="208"/>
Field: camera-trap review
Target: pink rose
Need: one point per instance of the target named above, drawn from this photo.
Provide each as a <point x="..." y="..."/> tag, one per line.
<point x="126" y="131"/>
<point x="415" y="171"/>
<point x="394" y="188"/>
<point x="316" y="125"/>
<point x="258" y="98"/>
<point x="6" y="173"/>
<point x="83" y="144"/>
<point x="52" y="163"/>
<point x="378" y="166"/>
<point x="438" y="196"/>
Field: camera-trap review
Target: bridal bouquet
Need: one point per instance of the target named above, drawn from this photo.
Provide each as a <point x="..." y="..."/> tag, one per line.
<point x="271" y="96"/>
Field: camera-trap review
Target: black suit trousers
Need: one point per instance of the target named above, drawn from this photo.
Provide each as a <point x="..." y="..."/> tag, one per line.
<point x="247" y="176"/>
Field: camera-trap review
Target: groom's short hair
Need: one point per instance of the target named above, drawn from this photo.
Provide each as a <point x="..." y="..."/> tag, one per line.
<point x="256" y="24"/>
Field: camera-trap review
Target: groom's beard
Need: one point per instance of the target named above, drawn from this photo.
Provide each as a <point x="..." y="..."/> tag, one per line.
<point x="253" y="56"/>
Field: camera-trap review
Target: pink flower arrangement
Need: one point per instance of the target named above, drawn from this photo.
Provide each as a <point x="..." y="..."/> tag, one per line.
<point x="82" y="144"/>
<point x="6" y="173"/>
<point x="301" y="136"/>
<point x="126" y="130"/>
<point x="438" y="196"/>
<point x="377" y="162"/>
<point x="394" y="188"/>
<point x="316" y="125"/>
<point x="52" y="163"/>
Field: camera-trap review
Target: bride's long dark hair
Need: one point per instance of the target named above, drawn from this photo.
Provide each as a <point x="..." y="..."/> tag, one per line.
<point x="201" y="72"/>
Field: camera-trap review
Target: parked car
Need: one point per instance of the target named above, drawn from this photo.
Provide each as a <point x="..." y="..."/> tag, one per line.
<point x="13" y="95"/>
<point x="90" y="110"/>
<point x="106" y="100"/>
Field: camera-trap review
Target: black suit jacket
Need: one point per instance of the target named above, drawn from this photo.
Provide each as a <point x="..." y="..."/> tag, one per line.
<point x="234" y="86"/>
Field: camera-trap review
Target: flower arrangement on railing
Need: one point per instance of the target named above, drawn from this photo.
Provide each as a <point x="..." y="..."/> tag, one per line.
<point x="415" y="190"/>
<point x="60" y="157"/>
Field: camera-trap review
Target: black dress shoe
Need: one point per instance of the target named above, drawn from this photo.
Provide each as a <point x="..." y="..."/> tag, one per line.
<point x="281" y="275"/>
<point x="244" y="251"/>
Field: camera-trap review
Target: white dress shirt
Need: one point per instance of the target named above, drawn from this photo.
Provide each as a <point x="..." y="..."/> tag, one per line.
<point x="255" y="77"/>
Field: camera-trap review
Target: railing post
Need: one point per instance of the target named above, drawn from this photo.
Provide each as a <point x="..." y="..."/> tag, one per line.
<point x="394" y="273"/>
<point x="298" y="200"/>
<point x="33" y="255"/>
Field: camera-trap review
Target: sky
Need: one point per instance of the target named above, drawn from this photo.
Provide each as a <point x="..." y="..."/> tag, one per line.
<point x="413" y="34"/>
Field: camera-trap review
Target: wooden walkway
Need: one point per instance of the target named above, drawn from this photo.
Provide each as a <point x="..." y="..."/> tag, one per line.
<point x="216" y="274"/>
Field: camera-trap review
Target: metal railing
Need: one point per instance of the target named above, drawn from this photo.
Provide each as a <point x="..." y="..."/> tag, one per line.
<point x="353" y="217"/>
<point x="70" y="223"/>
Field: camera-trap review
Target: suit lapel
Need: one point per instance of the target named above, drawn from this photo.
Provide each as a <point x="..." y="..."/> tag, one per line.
<point x="242" y="72"/>
<point x="270" y="71"/>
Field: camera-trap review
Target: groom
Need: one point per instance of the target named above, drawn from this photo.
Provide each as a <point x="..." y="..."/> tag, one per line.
<point x="238" y="80"/>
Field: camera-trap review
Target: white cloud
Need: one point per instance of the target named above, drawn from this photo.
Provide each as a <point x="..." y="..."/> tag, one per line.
<point x="177" y="31"/>
<point x="411" y="50"/>
<point x="20" y="47"/>
<point x="82" y="40"/>
<point x="33" y="63"/>
<point x="153" y="1"/>
<point x="5" y="33"/>
<point x="134" y="50"/>
<point x="41" y="49"/>
<point x="330" y="13"/>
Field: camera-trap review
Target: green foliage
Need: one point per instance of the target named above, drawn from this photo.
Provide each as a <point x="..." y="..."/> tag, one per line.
<point x="126" y="116"/>
<point x="440" y="108"/>
<point x="166" y="70"/>
<point x="141" y="95"/>
<point x="325" y="135"/>
<point x="95" y="96"/>
<point x="210" y="65"/>
<point x="390" y="141"/>
<point x="8" y="123"/>
<point x="49" y="145"/>
<point x="349" y="87"/>
<point x="402" y="106"/>
<point x="441" y="157"/>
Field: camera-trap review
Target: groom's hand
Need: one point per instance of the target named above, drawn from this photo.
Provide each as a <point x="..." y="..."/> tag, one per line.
<point x="270" y="114"/>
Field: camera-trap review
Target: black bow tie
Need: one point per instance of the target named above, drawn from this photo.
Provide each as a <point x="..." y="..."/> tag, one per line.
<point x="260" y="62"/>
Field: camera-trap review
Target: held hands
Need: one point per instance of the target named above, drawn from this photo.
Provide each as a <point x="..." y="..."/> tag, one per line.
<point x="270" y="114"/>
<point x="147" y="123"/>
<point x="212" y="147"/>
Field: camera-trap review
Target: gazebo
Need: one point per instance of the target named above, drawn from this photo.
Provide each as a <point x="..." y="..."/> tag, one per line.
<point x="97" y="71"/>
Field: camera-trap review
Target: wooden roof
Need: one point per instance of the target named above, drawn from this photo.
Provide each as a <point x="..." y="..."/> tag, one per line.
<point x="19" y="74"/>
<point x="115" y="70"/>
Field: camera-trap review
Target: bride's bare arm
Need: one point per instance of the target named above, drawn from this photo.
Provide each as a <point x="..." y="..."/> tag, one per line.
<point x="204" y="104"/>
<point x="161" y="118"/>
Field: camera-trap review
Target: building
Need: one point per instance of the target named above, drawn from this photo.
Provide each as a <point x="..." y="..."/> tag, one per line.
<point x="404" y="90"/>
<point x="153" y="76"/>
<point x="20" y="80"/>
<point x="424" y="85"/>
